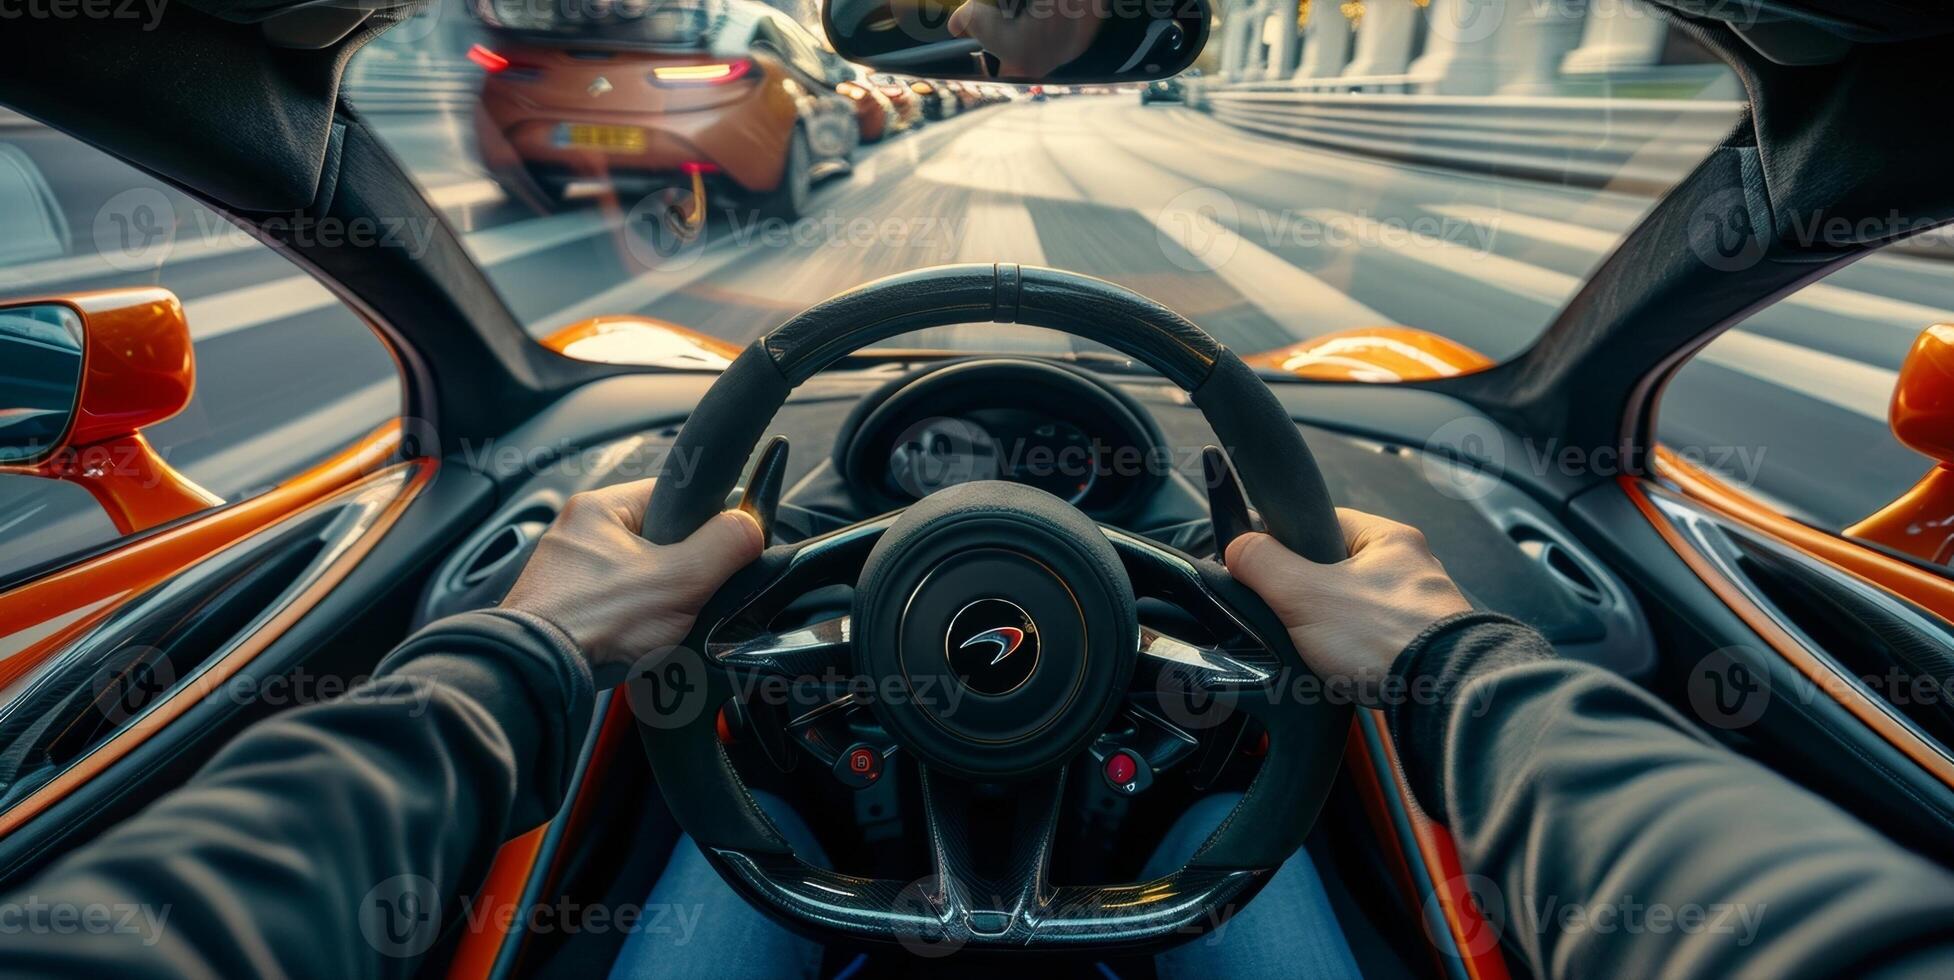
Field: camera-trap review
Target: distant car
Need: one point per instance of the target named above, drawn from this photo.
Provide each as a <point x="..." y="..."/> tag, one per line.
<point x="730" y="89"/>
<point x="1037" y="93"/>
<point x="908" y="105"/>
<point x="874" y="115"/>
<point x="938" y="101"/>
<point x="1163" y="90"/>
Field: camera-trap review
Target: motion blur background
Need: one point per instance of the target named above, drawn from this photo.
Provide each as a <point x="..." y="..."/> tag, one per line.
<point x="1453" y="165"/>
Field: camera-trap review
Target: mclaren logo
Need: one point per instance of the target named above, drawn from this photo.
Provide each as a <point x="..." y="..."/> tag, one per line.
<point x="1007" y="639"/>
<point x="992" y="646"/>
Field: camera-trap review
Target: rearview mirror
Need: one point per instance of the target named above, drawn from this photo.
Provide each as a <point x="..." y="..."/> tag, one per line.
<point x="40" y="378"/>
<point x="1069" y="41"/>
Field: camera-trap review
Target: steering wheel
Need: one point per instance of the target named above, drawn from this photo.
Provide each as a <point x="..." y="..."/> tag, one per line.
<point x="993" y="635"/>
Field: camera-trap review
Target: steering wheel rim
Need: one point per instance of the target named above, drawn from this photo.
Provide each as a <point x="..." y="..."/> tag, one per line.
<point x="1280" y="476"/>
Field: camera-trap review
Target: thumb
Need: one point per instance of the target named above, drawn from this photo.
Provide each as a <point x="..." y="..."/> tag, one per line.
<point x="721" y="546"/>
<point x="1269" y="570"/>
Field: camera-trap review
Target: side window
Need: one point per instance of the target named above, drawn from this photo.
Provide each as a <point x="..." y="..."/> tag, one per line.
<point x="1791" y="405"/>
<point x="285" y="374"/>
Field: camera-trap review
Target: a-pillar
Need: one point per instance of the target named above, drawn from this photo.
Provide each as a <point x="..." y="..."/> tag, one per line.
<point x="1326" y="43"/>
<point x="1461" y="47"/>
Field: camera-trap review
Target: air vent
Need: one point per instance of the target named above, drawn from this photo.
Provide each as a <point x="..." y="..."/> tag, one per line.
<point x="1559" y="562"/>
<point x="504" y="550"/>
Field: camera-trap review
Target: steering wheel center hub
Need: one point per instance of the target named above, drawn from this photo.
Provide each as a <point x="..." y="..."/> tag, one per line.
<point x="998" y="623"/>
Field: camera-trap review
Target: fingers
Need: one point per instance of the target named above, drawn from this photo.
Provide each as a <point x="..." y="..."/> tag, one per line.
<point x="960" y="21"/>
<point x="1262" y="563"/>
<point x="623" y="502"/>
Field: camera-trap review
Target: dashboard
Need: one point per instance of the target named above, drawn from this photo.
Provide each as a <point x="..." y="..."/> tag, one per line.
<point x="1049" y="426"/>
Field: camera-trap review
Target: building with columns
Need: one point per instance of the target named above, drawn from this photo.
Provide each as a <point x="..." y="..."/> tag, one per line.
<point x="1465" y="48"/>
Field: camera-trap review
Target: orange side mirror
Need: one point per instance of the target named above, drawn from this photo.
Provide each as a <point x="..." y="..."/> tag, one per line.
<point x="82" y="376"/>
<point x="1920" y="522"/>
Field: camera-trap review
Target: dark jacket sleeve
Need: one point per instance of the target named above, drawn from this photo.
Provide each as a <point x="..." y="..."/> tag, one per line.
<point x="1608" y="836"/>
<point x="332" y="840"/>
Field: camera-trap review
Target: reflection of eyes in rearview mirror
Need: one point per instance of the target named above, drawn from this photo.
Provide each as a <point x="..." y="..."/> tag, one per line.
<point x="1073" y="41"/>
<point x="40" y="378"/>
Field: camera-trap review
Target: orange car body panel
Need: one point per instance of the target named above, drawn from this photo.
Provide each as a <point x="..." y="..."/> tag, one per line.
<point x="741" y="126"/>
<point x="1373" y="354"/>
<point x="137" y="370"/>
<point x="639" y="340"/>
<point x="1921" y="521"/>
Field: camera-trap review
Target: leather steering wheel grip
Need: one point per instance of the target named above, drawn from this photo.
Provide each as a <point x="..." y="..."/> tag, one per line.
<point x="1280" y="475"/>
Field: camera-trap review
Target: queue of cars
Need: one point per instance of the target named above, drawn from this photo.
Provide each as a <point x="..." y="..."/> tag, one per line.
<point x="733" y="92"/>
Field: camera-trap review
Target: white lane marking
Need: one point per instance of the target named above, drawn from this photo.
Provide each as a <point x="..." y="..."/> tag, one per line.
<point x="464" y="193"/>
<point x="1302" y="304"/>
<point x="1500" y="220"/>
<point x="1512" y="275"/>
<point x="1000" y="232"/>
<point x="642" y="290"/>
<point x="1821" y="297"/>
<point x="1856" y="387"/>
<point x="249" y="306"/>
<point x="296" y="443"/>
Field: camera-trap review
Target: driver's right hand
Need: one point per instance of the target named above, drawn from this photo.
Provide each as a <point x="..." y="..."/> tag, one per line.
<point x="617" y="595"/>
<point x="1350" y="620"/>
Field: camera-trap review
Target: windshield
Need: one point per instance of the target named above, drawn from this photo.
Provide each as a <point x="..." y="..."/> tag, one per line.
<point x="1422" y="173"/>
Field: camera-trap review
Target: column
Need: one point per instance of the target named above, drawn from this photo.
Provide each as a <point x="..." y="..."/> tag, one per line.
<point x="1327" y="42"/>
<point x="1535" y="37"/>
<point x="1236" y="24"/>
<point x="1383" y="39"/>
<point x="1282" y="52"/>
<point x="1461" y="47"/>
<point x="1620" y="35"/>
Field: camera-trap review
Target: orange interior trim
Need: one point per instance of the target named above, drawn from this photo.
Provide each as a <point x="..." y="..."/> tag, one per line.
<point x="99" y="584"/>
<point x="1805" y="661"/>
<point x="1917" y="585"/>
<point x="507" y="877"/>
<point x="1475" y="938"/>
<point x="519" y="860"/>
<point x="107" y="581"/>
<point x="1370" y="789"/>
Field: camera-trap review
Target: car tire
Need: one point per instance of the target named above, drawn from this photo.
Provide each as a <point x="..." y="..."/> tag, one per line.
<point x="796" y="181"/>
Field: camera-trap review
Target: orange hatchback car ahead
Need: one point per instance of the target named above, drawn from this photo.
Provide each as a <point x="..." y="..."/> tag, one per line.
<point x="646" y="96"/>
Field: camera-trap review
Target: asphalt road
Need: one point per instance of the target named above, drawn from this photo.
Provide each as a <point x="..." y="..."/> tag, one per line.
<point x="1259" y="241"/>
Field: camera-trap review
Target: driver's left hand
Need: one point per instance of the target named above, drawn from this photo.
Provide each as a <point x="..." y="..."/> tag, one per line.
<point x="617" y="595"/>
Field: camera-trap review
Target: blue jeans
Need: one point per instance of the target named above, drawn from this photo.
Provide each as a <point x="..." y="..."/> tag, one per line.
<point x="1288" y="931"/>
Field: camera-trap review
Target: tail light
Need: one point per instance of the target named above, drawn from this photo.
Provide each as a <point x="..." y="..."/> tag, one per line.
<point x="712" y="73"/>
<point x="488" y="60"/>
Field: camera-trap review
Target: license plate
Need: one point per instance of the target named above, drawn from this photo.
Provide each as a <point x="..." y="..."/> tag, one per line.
<point x="612" y="139"/>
